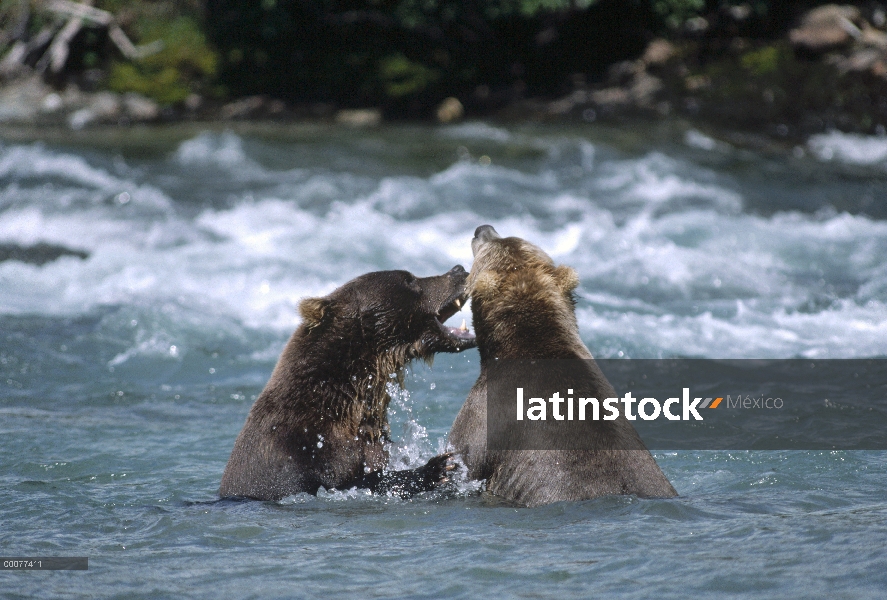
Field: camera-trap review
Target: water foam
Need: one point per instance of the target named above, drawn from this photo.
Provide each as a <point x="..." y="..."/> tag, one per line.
<point x="697" y="139"/>
<point x="659" y="182"/>
<point x="669" y="264"/>
<point x="223" y="150"/>
<point x="36" y="161"/>
<point x="851" y="148"/>
<point x="846" y="330"/>
<point x="476" y="130"/>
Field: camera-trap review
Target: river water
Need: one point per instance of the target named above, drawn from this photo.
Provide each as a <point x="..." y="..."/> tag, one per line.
<point x="125" y="375"/>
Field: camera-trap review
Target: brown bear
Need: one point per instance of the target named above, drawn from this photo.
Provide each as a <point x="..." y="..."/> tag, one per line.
<point x="322" y="418"/>
<point x="523" y="307"/>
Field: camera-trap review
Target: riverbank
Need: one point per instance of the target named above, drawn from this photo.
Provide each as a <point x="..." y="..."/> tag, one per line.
<point x="826" y="73"/>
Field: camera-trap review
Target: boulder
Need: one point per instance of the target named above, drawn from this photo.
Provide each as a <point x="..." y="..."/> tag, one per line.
<point x="364" y="117"/>
<point x="21" y="99"/>
<point x="827" y="28"/>
<point x="658" y="52"/>
<point x="102" y="107"/>
<point x="450" y="110"/>
<point x="243" y="108"/>
<point x="139" y="108"/>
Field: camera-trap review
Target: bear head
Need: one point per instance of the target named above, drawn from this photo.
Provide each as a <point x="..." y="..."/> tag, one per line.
<point x="522" y="303"/>
<point x="393" y="316"/>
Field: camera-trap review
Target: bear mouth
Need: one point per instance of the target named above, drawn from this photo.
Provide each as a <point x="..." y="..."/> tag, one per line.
<point x="461" y="335"/>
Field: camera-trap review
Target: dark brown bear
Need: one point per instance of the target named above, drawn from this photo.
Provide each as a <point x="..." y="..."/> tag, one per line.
<point x="523" y="308"/>
<point x="322" y="418"/>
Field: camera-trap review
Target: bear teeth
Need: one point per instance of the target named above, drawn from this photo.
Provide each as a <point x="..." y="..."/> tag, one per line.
<point x="458" y="303"/>
<point x="463" y="326"/>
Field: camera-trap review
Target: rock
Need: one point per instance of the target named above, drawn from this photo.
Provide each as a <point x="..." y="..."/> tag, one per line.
<point x="362" y="117"/>
<point x="103" y="107"/>
<point x="829" y="14"/>
<point x="873" y="38"/>
<point x="827" y="28"/>
<point x="612" y="96"/>
<point x="569" y="102"/>
<point x="629" y="81"/>
<point x="697" y="25"/>
<point x="193" y="102"/>
<point x="80" y="118"/>
<point x="139" y="108"/>
<point x="52" y="103"/>
<point x="20" y="100"/>
<point x="560" y="107"/>
<point x="658" y="53"/>
<point x="72" y="97"/>
<point x="450" y="110"/>
<point x="644" y="88"/>
<point x="695" y="83"/>
<point x="739" y="12"/>
<point x="38" y="254"/>
<point x="243" y="108"/>
<point x="623" y="73"/>
<point x="859" y="61"/>
<point x="106" y="105"/>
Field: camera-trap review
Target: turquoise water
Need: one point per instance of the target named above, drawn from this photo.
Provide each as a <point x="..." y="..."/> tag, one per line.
<point x="126" y="375"/>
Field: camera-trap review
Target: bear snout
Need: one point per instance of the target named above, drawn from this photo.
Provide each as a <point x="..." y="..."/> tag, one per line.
<point x="482" y="235"/>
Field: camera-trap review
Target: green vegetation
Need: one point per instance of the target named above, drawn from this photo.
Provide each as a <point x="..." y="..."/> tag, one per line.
<point x="676" y="12"/>
<point x="404" y="56"/>
<point x="185" y="64"/>
<point x="154" y="47"/>
<point x="761" y="62"/>
<point x="403" y="77"/>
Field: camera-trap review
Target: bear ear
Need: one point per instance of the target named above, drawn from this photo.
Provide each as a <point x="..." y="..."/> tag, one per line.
<point x="567" y="279"/>
<point x="314" y="310"/>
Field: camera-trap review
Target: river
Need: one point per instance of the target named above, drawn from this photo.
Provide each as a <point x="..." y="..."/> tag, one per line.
<point x="131" y="353"/>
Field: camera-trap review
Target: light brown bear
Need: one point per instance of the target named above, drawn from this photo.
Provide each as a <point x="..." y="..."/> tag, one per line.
<point x="523" y="308"/>
<point x="322" y="418"/>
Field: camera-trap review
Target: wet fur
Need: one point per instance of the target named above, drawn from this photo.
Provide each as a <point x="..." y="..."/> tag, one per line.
<point x="329" y="387"/>
<point x="523" y="308"/>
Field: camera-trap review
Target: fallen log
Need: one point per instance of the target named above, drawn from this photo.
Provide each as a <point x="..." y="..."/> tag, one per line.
<point x="15" y="60"/>
<point x="130" y="50"/>
<point x="80" y="10"/>
<point x="52" y="45"/>
<point x="61" y="46"/>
